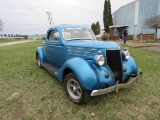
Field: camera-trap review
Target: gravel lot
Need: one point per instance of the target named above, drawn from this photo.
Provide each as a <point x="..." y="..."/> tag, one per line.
<point x="153" y="48"/>
<point x="14" y="43"/>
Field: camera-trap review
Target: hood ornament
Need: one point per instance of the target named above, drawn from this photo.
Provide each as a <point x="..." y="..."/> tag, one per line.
<point x="100" y="52"/>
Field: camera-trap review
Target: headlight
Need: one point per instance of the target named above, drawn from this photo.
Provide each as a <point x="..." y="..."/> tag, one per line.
<point x="127" y="54"/>
<point x="99" y="60"/>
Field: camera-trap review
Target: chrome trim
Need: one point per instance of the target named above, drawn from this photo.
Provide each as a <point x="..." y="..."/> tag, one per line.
<point x="116" y="87"/>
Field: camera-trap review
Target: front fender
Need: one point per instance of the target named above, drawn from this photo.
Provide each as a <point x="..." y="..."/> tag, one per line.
<point x="85" y="73"/>
<point x="131" y="66"/>
<point x="41" y="52"/>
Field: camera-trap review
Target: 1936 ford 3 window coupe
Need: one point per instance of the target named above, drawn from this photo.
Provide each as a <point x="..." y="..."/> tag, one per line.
<point x="85" y="66"/>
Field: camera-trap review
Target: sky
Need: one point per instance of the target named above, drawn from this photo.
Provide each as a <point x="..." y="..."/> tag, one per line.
<point x="29" y="16"/>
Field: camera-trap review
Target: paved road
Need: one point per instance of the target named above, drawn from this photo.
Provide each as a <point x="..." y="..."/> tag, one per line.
<point x="14" y="43"/>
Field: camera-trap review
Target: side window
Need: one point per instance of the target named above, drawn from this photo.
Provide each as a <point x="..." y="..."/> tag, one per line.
<point x="54" y="35"/>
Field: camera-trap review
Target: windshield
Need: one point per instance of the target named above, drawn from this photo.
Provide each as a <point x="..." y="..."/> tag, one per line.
<point x="77" y="33"/>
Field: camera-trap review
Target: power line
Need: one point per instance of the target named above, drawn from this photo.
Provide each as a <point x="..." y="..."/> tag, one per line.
<point x="28" y="7"/>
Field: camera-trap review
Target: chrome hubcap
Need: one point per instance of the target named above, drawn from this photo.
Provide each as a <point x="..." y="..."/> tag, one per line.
<point x="74" y="89"/>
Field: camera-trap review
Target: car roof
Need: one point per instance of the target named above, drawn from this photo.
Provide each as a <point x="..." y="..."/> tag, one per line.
<point x="68" y="26"/>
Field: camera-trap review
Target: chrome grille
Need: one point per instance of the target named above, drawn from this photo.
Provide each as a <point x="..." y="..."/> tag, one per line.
<point x="114" y="61"/>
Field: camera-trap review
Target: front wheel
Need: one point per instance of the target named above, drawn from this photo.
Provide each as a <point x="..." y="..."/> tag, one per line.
<point x="74" y="90"/>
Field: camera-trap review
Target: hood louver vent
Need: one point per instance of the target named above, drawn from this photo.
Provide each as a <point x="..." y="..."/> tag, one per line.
<point x="83" y="52"/>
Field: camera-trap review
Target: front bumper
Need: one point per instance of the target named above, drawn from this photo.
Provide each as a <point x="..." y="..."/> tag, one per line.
<point x="117" y="86"/>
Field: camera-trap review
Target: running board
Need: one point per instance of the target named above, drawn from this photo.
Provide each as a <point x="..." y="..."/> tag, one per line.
<point x="49" y="68"/>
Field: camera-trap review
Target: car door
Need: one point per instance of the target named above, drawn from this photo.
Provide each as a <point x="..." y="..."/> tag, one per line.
<point x="54" y="49"/>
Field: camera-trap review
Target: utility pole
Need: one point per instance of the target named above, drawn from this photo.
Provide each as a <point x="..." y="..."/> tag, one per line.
<point x="49" y="17"/>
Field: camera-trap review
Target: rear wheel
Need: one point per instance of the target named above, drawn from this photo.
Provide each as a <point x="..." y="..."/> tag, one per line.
<point x="74" y="90"/>
<point x="38" y="61"/>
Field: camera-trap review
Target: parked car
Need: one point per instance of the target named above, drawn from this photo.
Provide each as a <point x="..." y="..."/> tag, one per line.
<point x="85" y="66"/>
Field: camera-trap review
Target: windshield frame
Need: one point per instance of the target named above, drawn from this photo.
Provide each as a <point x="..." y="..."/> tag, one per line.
<point x="78" y="38"/>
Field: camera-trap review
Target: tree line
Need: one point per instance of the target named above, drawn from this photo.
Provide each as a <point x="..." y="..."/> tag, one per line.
<point x="11" y="35"/>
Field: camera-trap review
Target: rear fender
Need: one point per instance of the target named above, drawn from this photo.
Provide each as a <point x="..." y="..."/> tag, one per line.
<point x="42" y="55"/>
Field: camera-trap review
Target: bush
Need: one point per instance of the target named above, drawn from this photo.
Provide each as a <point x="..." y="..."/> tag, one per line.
<point x="105" y="36"/>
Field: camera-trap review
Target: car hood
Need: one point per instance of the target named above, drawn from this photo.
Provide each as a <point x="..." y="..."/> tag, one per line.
<point x="93" y="44"/>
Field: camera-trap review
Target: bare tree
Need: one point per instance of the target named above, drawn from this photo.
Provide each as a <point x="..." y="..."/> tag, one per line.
<point x="1" y="25"/>
<point x="153" y="23"/>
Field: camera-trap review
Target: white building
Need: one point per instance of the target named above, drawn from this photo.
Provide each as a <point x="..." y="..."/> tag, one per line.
<point x="133" y="16"/>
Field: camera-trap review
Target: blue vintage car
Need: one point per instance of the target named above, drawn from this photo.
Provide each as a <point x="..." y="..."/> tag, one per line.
<point x="85" y="66"/>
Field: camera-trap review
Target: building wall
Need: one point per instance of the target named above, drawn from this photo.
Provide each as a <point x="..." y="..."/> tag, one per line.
<point x="158" y="13"/>
<point x="145" y="36"/>
<point x="147" y="9"/>
<point x="125" y="16"/>
<point x="134" y="15"/>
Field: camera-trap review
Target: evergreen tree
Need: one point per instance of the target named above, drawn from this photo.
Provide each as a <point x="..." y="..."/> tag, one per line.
<point x="110" y="14"/>
<point x="107" y="16"/>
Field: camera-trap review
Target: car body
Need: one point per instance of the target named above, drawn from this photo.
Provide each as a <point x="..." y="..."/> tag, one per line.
<point x="85" y="66"/>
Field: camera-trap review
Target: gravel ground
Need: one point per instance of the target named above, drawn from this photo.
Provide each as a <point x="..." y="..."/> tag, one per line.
<point x="153" y="48"/>
<point x="144" y="46"/>
<point x="14" y="43"/>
